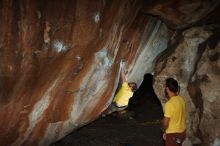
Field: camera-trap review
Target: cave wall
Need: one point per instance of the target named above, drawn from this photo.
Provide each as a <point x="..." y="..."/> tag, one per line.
<point x="181" y="14"/>
<point x="193" y="59"/>
<point x="204" y="86"/>
<point x="59" y="62"/>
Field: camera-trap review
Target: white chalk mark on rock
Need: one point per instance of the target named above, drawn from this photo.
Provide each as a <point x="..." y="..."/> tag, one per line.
<point x="97" y="17"/>
<point x="59" y="46"/>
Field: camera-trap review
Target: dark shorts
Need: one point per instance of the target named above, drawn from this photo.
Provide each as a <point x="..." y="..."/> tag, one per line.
<point x="113" y="107"/>
<point x="175" y="139"/>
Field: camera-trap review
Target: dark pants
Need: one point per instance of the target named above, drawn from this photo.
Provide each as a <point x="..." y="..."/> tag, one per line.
<point x="113" y="108"/>
<point x="175" y="139"/>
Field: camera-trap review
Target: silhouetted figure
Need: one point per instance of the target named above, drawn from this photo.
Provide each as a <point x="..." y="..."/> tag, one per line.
<point x="144" y="102"/>
<point x="145" y="93"/>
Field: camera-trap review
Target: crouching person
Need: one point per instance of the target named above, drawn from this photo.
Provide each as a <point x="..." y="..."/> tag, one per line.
<point x="120" y="101"/>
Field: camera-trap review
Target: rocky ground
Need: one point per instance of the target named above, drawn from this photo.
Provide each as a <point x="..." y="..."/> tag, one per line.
<point x="139" y="126"/>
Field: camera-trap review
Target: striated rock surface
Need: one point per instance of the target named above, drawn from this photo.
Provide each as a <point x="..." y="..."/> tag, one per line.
<point x="204" y="89"/>
<point x="59" y="63"/>
<point x="184" y="13"/>
<point x="193" y="59"/>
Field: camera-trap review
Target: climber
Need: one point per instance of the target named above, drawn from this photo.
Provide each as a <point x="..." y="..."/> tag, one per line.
<point x="120" y="101"/>
<point x="174" y="125"/>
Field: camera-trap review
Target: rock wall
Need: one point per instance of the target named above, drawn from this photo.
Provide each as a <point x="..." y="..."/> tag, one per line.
<point x="205" y="91"/>
<point x="184" y="13"/>
<point x="193" y="59"/>
<point x="59" y="62"/>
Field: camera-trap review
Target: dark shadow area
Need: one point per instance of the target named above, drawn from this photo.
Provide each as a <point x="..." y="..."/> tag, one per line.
<point x="144" y="104"/>
<point x="138" y="126"/>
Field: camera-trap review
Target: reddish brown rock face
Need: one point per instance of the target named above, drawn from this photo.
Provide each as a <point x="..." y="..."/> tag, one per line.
<point x="184" y="13"/>
<point x="59" y="61"/>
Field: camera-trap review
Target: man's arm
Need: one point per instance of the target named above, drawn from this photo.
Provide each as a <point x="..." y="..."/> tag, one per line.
<point x="165" y="122"/>
<point x="123" y="77"/>
<point x="168" y="112"/>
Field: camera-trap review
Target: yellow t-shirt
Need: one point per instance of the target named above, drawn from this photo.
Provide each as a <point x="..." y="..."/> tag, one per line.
<point x="123" y="95"/>
<point x="175" y="110"/>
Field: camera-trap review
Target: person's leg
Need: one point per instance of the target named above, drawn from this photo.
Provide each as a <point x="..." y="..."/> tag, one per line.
<point x="175" y="139"/>
<point x="112" y="108"/>
<point x="121" y="110"/>
<point x="170" y="140"/>
<point x="182" y="136"/>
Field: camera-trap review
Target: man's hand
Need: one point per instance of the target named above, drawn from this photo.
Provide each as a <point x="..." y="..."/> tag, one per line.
<point x="164" y="136"/>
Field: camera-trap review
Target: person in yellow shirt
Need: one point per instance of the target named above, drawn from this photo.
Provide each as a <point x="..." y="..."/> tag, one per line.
<point x="174" y="121"/>
<point x="120" y="101"/>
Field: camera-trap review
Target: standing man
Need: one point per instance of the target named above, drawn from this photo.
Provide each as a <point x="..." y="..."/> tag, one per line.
<point x="174" y="121"/>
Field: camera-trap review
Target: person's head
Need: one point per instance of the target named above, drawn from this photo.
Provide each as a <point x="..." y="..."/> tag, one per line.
<point x="171" y="87"/>
<point x="133" y="86"/>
